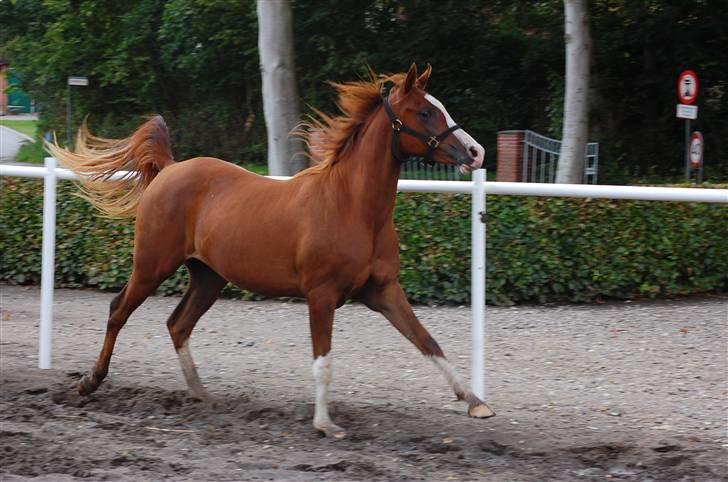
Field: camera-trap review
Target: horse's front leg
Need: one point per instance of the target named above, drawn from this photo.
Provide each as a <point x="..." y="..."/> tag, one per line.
<point x="391" y="301"/>
<point x="321" y="318"/>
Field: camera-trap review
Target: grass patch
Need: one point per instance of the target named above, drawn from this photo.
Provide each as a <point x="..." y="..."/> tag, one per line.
<point x="32" y="152"/>
<point x="27" y="127"/>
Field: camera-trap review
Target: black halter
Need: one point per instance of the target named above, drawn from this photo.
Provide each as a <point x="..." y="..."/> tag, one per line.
<point x="433" y="142"/>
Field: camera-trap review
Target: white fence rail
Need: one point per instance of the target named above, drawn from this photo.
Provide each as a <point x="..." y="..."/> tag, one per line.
<point x="477" y="188"/>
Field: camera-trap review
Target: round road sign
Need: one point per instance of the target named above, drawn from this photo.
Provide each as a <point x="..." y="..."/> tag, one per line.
<point x="696" y="149"/>
<point x="687" y="87"/>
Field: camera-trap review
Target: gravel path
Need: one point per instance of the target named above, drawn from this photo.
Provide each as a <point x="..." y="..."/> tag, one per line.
<point x="623" y="391"/>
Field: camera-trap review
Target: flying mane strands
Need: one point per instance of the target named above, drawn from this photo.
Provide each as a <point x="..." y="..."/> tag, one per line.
<point x="327" y="137"/>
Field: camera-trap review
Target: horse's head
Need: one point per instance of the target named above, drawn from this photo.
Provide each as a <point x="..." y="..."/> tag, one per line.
<point x="428" y="129"/>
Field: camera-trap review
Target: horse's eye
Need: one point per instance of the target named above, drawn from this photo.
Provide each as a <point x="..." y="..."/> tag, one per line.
<point x="425" y="114"/>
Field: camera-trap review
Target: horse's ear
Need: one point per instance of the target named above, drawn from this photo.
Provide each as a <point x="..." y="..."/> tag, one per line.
<point x="424" y="77"/>
<point x="409" y="82"/>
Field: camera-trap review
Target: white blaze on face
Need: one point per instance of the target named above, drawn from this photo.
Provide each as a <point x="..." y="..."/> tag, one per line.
<point x="476" y="151"/>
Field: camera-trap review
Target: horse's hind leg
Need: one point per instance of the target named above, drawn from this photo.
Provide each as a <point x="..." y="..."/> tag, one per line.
<point x="391" y="301"/>
<point x="133" y="294"/>
<point x="204" y="289"/>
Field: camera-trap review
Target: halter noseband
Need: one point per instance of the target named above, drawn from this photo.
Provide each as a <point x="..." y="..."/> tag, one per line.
<point x="433" y="142"/>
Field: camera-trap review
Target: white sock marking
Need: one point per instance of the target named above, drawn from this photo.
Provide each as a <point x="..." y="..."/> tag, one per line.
<point x="452" y="377"/>
<point x="189" y="370"/>
<point x="322" y="374"/>
<point x="465" y="139"/>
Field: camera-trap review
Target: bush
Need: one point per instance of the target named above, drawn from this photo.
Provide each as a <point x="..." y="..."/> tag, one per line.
<point x="539" y="249"/>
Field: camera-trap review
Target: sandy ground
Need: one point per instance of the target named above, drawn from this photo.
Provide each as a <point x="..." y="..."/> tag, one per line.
<point x="621" y="391"/>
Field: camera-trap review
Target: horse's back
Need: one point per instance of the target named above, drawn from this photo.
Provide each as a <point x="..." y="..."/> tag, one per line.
<point x="202" y="180"/>
<point x="203" y="169"/>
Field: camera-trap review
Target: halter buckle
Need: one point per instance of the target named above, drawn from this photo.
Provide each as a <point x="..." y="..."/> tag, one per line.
<point x="397" y="125"/>
<point x="433" y="142"/>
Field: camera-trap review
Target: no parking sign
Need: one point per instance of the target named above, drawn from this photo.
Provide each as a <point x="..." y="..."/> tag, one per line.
<point x="687" y="92"/>
<point x="687" y="86"/>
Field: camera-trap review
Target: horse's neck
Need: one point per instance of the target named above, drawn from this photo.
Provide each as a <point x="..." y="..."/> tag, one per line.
<point x="369" y="174"/>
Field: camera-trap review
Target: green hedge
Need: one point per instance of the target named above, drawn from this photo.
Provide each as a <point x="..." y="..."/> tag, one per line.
<point x="539" y="250"/>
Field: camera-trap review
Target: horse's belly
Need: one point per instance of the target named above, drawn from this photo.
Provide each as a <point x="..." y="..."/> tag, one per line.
<point x="267" y="283"/>
<point x="264" y="268"/>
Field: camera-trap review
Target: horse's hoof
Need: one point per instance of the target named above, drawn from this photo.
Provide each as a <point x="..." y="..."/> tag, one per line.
<point x="480" y="411"/>
<point x="199" y="395"/>
<point x="332" y="430"/>
<point x="88" y="384"/>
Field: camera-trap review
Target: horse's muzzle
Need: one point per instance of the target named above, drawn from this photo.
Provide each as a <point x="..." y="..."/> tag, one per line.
<point x="468" y="159"/>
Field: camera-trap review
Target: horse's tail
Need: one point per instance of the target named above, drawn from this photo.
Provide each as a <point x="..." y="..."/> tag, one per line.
<point x="95" y="160"/>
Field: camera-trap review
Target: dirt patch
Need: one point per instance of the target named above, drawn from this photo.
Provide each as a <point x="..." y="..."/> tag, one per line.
<point x="623" y="391"/>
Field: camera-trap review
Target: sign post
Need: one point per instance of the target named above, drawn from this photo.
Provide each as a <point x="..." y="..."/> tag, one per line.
<point x="687" y="92"/>
<point x="77" y="81"/>
<point x="696" y="154"/>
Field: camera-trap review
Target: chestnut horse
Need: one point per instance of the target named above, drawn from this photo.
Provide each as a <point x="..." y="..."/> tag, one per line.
<point x="325" y="235"/>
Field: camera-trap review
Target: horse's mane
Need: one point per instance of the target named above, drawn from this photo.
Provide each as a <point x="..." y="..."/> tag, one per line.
<point x="328" y="137"/>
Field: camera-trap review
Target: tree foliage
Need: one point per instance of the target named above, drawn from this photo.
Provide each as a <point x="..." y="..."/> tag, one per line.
<point x="497" y="65"/>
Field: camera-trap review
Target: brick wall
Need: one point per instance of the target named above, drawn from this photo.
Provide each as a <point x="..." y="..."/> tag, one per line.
<point x="509" y="156"/>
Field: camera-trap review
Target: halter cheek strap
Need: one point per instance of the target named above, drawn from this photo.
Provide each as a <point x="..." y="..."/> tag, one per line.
<point x="433" y="142"/>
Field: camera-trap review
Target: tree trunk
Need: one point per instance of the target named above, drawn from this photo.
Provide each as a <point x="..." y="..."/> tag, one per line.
<point x="576" y="103"/>
<point x="280" y="95"/>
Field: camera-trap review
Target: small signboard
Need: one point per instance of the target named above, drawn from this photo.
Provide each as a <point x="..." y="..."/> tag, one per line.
<point x="79" y="81"/>
<point x="687" y="87"/>
<point x="687" y="111"/>
<point x="696" y="149"/>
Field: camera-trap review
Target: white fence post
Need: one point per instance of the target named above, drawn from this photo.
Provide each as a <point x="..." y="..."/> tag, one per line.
<point x="477" y="285"/>
<point x="47" y="277"/>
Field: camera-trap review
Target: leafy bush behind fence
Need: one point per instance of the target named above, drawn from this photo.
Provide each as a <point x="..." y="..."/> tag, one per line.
<point x="539" y="249"/>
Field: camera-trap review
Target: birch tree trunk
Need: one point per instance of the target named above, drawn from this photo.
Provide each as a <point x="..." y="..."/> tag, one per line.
<point x="576" y="103"/>
<point x="280" y="95"/>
